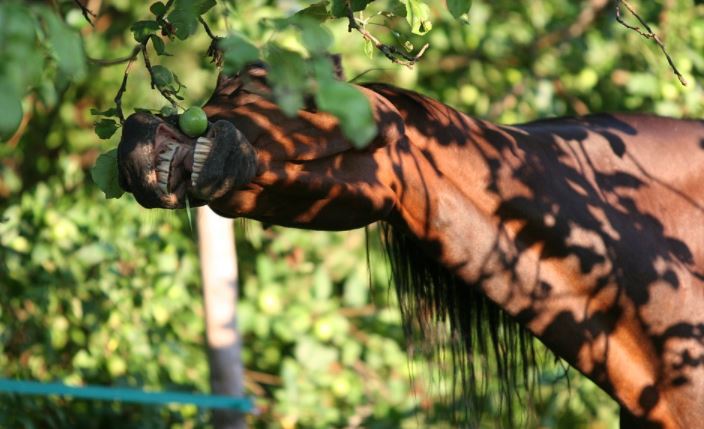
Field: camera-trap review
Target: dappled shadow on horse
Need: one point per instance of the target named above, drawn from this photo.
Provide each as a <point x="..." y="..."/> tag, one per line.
<point x="587" y="233"/>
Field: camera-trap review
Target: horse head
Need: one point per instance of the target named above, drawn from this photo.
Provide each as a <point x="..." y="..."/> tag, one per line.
<point x="255" y="161"/>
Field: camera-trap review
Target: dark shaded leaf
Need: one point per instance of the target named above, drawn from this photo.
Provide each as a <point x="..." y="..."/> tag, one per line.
<point x="108" y="112"/>
<point x="10" y="112"/>
<point x="459" y="7"/>
<point x="104" y="174"/>
<point x="338" y="8"/>
<point x="105" y="128"/>
<point x="158" y="44"/>
<point x="158" y="8"/>
<point x="184" y="16"/>
<point x="162" y="76"/>
<point x="142" y="30"/>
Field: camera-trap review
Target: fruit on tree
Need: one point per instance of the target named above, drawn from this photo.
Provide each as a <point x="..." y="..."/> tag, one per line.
<point x="193" y="121"/>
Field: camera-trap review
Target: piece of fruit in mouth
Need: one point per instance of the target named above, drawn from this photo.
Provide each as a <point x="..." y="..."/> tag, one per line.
<point x="175" y="160"/>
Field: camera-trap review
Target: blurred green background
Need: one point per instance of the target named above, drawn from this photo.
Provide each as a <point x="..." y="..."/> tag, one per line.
<point x="104" y="292"/>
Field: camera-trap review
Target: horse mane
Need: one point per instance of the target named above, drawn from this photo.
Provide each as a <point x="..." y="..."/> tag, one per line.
<point x="457" y="326"/>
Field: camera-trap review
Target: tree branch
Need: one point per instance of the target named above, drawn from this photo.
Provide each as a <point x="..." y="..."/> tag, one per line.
<point x="148" y="65"/>
<point x="213" y="50"/>
<point x="106" y="63"/>
<point x="394" y="54"/>
<point x="648" y="34"/>
<point x="87" y="14"/>
<point x="121" y="91"/>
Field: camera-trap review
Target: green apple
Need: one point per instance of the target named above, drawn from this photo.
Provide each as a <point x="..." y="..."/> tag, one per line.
<point x="193" y="121"/>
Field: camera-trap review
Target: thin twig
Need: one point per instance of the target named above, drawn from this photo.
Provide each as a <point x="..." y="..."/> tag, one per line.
<point x="394" y="54"/>
<point x="207" y="29"/>
<point x="648" y="34"/>
<point x="87" y="14"/>
<point x="214" y="50"/>
<point x="123" y="88"/>
<point x="148" y="65"/>
<point x="116" y="61"/>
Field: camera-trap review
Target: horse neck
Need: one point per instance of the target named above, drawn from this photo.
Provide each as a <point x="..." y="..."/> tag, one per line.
<point x="475" y="197"/>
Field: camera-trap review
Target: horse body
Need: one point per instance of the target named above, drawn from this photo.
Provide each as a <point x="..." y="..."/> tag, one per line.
<point x="588" y="231"/>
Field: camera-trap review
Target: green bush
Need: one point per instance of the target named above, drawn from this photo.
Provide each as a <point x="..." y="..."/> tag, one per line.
<point x="103" y="292"/>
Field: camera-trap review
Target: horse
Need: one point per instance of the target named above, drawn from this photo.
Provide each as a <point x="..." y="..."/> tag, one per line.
<point x="586" y="233"/>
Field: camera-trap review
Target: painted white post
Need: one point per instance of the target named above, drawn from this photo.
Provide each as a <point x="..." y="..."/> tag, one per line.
<point x="218" y="264"/>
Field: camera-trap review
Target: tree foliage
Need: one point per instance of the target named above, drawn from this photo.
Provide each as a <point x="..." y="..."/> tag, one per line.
<point x="101" y="291"/>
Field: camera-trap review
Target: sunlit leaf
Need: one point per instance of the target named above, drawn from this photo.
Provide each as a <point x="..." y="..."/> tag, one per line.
<point x="418" y="16"/>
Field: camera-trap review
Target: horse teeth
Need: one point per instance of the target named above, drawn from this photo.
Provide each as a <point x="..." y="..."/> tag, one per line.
<point x="204" y="141"/>
<point x="202" y="150"/>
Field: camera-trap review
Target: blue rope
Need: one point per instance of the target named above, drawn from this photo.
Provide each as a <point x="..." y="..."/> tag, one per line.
<point x="122" y="394"/>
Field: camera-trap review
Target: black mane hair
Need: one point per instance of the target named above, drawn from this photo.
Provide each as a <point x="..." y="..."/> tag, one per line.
<point x="460" y="328"/>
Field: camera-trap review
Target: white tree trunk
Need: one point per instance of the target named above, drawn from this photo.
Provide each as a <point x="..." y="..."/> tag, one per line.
<point x="218" y="262"/>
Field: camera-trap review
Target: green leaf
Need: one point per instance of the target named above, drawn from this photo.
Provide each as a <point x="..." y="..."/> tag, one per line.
<point x="158" y="44"/>
<point x="184" y="16"/>
<point x="10" y="112"/>
<point x="458" y="8"/>
<point x="417" y="15"/>
<point x="142" y="30"/>
<point x="168" y="110"/>
<point x="358" y="5"/>
<point x="67" y="47"/>
<point x="158" y="8"/>
<point x="104" y="174"/>
<point x="369" y="48"/>
<point x="316" y="38"/>
<point x="108" y="112"/>
<point x="338" y="8"/>
<point x="351" y="107"/>
<point x="105" y="128"/>
<point x="288" y="73"/>
<point x="397" y="8"/>
<point x="317" y="11"/>
<point x="323" y="68"/>
<point x="162" y="76"/>
<point x="238" y="52"/>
